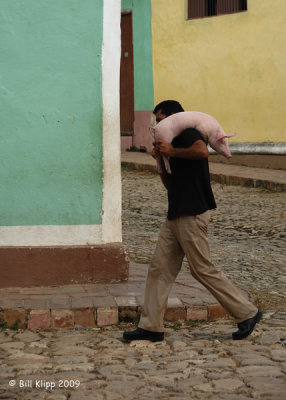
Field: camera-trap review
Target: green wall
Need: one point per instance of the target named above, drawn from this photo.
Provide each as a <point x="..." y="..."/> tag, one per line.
<point x="142" y="43"/>
<point x="51" y="112"/>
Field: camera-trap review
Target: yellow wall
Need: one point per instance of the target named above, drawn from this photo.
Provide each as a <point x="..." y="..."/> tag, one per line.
<point x="232" y="66"/>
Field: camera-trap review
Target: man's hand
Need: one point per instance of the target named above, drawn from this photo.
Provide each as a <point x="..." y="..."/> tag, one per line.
<point x="165" y="149"/>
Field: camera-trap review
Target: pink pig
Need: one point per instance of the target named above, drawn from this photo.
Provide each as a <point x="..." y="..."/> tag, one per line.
<point x="207" y="125"/>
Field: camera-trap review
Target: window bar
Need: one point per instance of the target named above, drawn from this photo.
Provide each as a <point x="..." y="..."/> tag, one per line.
<point x="205" y="8"/>
<point x="211" y="7"/>
<point x="196" y="8"/>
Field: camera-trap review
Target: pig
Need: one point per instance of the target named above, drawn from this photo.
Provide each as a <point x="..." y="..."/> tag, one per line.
<point x="208" y="126"/>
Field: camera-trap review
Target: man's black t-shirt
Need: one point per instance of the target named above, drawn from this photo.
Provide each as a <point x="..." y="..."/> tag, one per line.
<point x="189" y="188"/>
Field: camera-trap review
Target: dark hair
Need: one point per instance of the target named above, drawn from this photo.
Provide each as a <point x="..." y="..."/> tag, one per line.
<point x="168" y="107"/>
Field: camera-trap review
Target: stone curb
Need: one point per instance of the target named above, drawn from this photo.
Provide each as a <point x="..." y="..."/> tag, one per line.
<point x="90" y="317"/>
<point x="220" y="178"/>
<point x="248" y="182"/>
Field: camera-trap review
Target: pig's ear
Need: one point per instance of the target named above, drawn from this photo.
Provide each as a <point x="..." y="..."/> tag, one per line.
<point x="152" y="128"/>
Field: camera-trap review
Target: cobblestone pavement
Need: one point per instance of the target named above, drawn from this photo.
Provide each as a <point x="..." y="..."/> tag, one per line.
<point x="197" y="361"/>
<point x="246" y="233"/>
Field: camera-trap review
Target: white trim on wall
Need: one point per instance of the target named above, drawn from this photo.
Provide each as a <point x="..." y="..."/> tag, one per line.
<point x="111" y="52"/>
<point x="50" y="235"/>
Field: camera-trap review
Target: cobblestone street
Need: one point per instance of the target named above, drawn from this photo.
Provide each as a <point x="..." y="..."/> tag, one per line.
<point x="246" y="234"/>
<point x="197" y="360"/>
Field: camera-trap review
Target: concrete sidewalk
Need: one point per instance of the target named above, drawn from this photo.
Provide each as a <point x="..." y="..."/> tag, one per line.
<point x="270" y="179"/>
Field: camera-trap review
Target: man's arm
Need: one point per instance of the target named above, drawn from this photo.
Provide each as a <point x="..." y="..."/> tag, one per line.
<point x="197" y="151"/>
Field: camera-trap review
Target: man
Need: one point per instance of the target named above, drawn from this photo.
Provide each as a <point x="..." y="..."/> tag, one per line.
<point x="184" y="233"/>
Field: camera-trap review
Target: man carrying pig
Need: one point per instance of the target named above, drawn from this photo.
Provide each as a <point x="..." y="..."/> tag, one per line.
<point x="184" y="233"/>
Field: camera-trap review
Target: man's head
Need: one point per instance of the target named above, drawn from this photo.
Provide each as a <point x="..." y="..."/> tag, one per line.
<point x="166" y="108"/>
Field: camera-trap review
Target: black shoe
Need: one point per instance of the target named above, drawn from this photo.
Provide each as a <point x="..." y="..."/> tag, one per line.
<point x="142" y="334"/>
<point x="246" y="327"/>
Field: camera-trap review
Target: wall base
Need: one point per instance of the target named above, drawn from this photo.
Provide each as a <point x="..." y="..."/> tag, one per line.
<point x="126" y="142"/>
<point x="253" y="160"/>
<point x="141" y="137"/>
<point x="46" y="266"/>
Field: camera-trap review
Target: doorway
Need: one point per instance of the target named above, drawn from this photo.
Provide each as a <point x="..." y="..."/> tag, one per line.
<point x="126" y="76"/>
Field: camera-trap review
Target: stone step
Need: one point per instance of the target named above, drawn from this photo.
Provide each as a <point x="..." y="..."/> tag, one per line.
<point x="99" y="305"/>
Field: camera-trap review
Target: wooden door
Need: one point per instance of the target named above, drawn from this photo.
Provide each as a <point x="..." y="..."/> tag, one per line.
<point x="126" y="76"/>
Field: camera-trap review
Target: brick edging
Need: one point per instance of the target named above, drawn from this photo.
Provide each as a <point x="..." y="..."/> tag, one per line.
<point x="90" y="317"/>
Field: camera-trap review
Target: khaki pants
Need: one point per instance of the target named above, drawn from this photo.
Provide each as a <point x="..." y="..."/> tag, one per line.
<point x="179" y="237"/>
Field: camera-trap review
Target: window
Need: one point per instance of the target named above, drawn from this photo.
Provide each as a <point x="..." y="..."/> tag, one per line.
<point x="207" y="8"/>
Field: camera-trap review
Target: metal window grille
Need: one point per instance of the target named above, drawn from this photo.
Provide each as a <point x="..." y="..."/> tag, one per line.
<point x="207" y="8"/>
